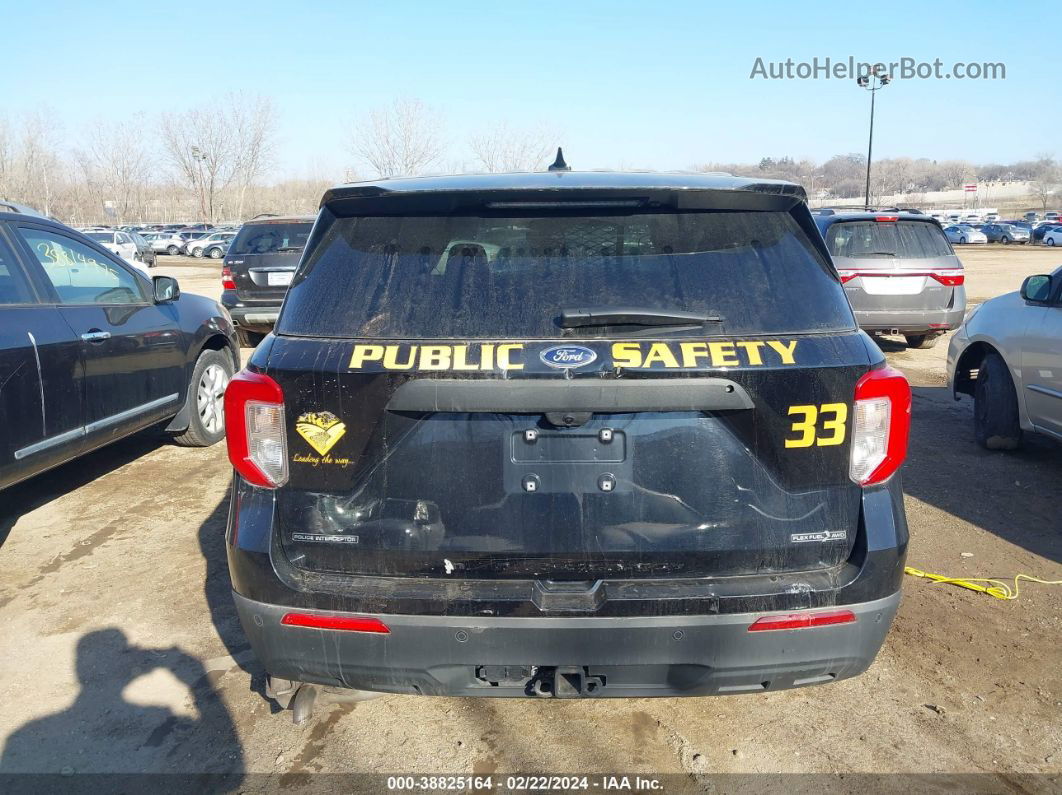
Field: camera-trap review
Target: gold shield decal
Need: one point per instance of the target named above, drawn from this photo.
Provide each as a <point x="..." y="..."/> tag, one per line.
<point x="320" y="429"/>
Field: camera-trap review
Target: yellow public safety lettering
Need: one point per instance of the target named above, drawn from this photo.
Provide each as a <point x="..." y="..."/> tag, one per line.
<point x="626" y="354"/>
<point x="833" y="415"/>
<point x="504" y="350"/>
<point x="435" y="357"/>
<point x="660" y="352"/>
<point x="723" y="354"/>
<point x="805" y="427"/>
<point x="752" y="350"/>
<point x="365" y="353"/>
<point x="390" y="359"/>
<point x="783" y="350"/>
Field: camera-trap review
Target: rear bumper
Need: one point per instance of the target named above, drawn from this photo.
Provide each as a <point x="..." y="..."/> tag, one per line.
<point x="911" y="321"/>
<point x="258" y="317"/>
<point x="596" y="657"/>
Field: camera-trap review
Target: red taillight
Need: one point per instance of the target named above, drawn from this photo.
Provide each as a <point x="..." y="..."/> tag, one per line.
<point x="226" y="279"/>
<point x="347" y="623"/>
<point x="949" y="277"/>
<point x="254" y="429"/>
<point x="847" y="276"/>
<point x="802" y="620"/>
<point x="880" y="426"/>
<point x="887" y="218"/>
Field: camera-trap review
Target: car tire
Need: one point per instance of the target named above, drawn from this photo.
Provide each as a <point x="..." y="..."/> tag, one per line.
<point x="996" y="425"/>
<point x="197" y="253"/>
<point x="173" y="251"/>
<point x="216" y="253"/>
<point x="1050" y="241"/>
<point x="1005" y="241"/>
<point x="921" y="341"/>
<point x="962" y="241"/>
<point x="249" y="339"/>
<point x="206" y="419"/>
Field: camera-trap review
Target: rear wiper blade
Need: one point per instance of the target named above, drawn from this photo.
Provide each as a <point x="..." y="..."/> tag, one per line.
<point x="631" y="316"/>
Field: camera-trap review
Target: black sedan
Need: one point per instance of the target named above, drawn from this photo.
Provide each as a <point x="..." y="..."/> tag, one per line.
<point x="92" y="350"/>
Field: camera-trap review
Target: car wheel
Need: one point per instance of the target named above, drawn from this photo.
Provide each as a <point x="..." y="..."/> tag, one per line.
<point x="205" y="401"/>
<point x="216" y="253"/>
<point x="197" y="253"/>
<point x="173" y="251"/>
<point x="1049" y="241"/>
<point x="996" y="425"/>
<point x="962" y="241"/>
<point x="921" y="341"/>
<point x="1005" y="241"/>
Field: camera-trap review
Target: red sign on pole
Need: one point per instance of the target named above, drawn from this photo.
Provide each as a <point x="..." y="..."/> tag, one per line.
<point x="970" y="188"/>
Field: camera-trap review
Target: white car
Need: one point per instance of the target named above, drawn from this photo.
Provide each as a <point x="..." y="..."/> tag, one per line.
<point x="120" y="243"/>
<point x="963" y="234"/>
<point x="1053" y="238"/>
<point x="1007" y="354"/>
<point x="213" y="245"/>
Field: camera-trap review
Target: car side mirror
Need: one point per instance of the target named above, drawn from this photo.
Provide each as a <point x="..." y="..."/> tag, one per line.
<point x="166" y="289"/>
<point x="1037" y="289"/>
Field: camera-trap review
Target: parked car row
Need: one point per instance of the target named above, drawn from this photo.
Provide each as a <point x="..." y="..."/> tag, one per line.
<point x="575" y="409"/>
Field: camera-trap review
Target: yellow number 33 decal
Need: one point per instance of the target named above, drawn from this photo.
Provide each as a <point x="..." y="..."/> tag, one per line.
<point x="833" y="416"/>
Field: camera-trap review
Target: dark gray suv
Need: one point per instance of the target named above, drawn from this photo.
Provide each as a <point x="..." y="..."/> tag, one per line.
<point x="899" y="272"/>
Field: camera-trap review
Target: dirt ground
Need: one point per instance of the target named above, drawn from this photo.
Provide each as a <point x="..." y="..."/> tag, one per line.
<point x="122" y="651"/>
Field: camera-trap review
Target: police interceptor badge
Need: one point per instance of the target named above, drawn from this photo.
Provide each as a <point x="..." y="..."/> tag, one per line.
<point x="567" y="357"/>
<point x="320" y="429"/>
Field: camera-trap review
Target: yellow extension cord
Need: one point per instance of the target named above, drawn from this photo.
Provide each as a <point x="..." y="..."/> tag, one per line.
<point x="998" y="588"/>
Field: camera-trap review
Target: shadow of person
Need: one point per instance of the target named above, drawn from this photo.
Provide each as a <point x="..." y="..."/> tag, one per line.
<point x="103" y="732"/>
<point x="217" y="588"/>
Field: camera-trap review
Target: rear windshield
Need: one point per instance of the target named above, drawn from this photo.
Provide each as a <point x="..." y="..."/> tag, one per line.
<point x="466" y="276"/>
<point x="905" y="239"/>
<point x="270" y="238"/>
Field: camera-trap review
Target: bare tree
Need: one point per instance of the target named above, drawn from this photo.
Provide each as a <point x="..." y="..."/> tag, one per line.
<point x="253" y="121"/>
<point x="1046" y="179"/>
<point x="502" y="148"/>
<point x="402" y="139"/>
<point x="203" y="149"/>
<point x="117" y="168"/>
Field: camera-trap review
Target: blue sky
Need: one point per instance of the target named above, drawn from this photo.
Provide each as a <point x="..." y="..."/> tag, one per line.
<point x="656" y="85"/>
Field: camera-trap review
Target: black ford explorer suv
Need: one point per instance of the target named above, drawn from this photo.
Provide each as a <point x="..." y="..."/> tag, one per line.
<point x="566" y="434"/>
<point x="257" y="270"/>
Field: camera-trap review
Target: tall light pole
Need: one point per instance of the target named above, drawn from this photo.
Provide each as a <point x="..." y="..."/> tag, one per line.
<point x="874" y="82"/>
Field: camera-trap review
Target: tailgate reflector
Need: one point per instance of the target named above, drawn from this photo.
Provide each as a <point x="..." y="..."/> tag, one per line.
<point x="346" y="623"/>
<point x="227" y="282"/>
<point x="949" y="277"/>
<point x="881" y="423"/>
<point x="802" y="620"/>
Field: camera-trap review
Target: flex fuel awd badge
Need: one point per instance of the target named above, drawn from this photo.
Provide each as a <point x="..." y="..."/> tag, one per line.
<point x="320" y="429"/>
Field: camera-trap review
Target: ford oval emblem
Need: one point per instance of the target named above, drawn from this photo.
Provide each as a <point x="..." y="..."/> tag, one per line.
<point x="567" y="357"/>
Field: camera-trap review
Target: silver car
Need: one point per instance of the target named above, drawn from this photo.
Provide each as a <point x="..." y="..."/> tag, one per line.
<point x="166" y="242"/>
<point x="1007" y="355"/>
<point x="899" y="272"/>
<point x="964" y="233"/>
<point x="213" y="245"/>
